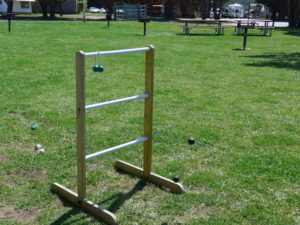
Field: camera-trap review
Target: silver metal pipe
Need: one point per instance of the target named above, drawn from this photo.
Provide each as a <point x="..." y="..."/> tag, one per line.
<point x="91" y="156"/>
<point x="129" y="99"/>
<point x="117" y="52"/>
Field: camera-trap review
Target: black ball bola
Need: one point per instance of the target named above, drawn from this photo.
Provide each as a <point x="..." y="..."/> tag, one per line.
<point x="191" y="141"/>
<point x="176" y="179"/>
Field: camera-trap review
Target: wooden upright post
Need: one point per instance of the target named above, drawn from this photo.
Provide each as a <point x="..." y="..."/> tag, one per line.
<point x="80" y="122"/>
<point x="145" y="172"/>
<point x="149" y="76"/>
<point x="79" y="198"/>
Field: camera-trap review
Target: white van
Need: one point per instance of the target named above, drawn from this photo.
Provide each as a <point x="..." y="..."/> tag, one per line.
<point x="236" y="11"/>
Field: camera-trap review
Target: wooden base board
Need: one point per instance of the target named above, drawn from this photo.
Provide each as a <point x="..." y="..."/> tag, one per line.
<point x="86" y="205"/>
<point x="104" y="214"/>
<point x="154" y="178"/>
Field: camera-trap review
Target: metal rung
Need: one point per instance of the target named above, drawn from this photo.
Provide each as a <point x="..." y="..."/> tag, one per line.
<point x="129" y="99"/>
<point x="91" y="156"/>
<point x="117" y="52"/>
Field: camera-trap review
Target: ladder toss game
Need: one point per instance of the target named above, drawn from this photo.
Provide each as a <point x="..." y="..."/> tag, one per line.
<point x="79" y="198"/>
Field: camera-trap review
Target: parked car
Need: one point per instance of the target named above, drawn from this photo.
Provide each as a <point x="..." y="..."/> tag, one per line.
<point x="102" y="10"/>
<point x="94" y="10"/>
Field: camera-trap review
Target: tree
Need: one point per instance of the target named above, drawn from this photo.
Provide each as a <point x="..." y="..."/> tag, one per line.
<point x="275" y="6"/>
<point x="188" y="8"/>
<point x="280" y="6"/>
<point x="294" y="13"/>
<point x="172" y="8"/>
<point x="44" y="7"/>
<point x="108" y="5"/>
<point x="52" y="7"/>
<point x="207" y="5"/>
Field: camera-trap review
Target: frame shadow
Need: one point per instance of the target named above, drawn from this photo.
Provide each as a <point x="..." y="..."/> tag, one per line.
<point x="120" y="199"/>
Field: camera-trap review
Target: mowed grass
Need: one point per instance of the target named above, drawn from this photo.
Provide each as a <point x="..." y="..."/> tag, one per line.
<point x="242" y="108"/>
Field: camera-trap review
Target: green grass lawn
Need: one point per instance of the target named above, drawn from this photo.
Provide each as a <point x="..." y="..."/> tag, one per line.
<point x="242" y="107"/>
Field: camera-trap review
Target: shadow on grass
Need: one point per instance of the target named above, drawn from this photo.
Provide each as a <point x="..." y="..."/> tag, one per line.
<point x="121" y="198"/>
<point x="241" y="49"/>
<point x="68" y="217"/>
<point x="290" y="31"/>
<point x="277" y="60"/>
<point x="63" y="219"/>
<point x="293" y="32"/>
<point x="252" y="35"/>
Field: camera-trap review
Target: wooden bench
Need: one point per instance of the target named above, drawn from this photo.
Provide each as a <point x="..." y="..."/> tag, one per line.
<point x="219" y="30"/>
<point x="267" y="31"/>
<point x="240" y="28"/>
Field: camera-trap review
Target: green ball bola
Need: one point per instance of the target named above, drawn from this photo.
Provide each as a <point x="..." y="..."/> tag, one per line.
<point x="100" y="69"/>
<point x="95" y="68"/>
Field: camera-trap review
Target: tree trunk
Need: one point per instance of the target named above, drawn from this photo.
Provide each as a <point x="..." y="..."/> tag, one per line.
<point x="44" y="7"/>
<point x="294" y="11"/>
<point x="61" y="8"/>
<point x="177" y="9"/>
<point x="172" y="8"/>
<point x="204" y="8"/>
<point x="52" y="7"/>
<point x="187" y="8"/>
<point x="291" y="15"/>
<point x="214" y="5"/>
<point x="169" y="9"/>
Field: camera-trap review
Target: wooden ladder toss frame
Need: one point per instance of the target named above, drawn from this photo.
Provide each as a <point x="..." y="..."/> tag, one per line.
<point x="79" y="198"/>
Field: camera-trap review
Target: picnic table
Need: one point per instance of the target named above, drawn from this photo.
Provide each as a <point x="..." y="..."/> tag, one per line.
<point x="265" y="26"/>
<point x="214" y="24"/>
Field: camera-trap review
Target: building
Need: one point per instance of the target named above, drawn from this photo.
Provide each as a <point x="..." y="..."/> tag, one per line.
<point x="20" y="6"/>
